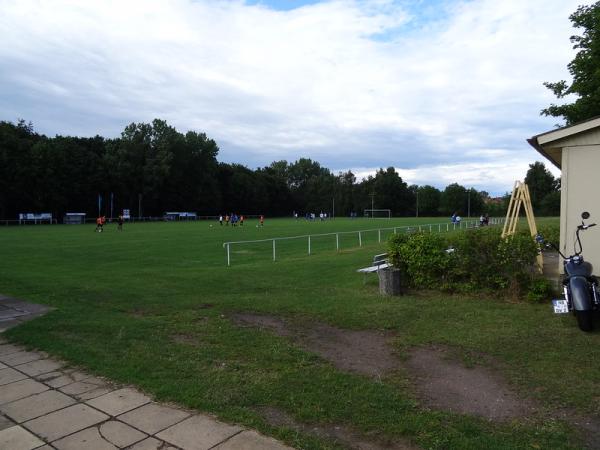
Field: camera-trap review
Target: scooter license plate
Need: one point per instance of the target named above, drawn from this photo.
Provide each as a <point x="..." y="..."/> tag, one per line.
<point x="560" y="306"/>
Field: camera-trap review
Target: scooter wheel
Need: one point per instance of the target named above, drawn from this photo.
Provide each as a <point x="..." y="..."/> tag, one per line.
<point x="584" y="320"/>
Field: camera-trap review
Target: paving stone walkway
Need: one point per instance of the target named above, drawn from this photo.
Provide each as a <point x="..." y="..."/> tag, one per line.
<point x="13" y="312"/>
<point x="44" y="405"/>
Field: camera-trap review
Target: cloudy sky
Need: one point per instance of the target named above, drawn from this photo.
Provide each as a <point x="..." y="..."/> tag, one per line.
<point x="443" y="90"/>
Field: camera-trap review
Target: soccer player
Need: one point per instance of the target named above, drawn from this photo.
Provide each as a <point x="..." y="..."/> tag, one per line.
<point x="99" y="225"/>
<point x="262" y="220"/>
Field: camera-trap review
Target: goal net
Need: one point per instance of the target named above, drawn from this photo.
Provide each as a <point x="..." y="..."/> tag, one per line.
<point x="378" y="213"/>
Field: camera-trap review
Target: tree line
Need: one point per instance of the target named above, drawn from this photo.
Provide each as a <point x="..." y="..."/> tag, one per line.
<point x="153" y="168"/>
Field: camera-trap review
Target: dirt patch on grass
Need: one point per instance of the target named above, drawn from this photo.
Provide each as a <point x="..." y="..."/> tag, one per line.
<point x="588" y="427"/>
<point x="205" y="306"/>
<point x="339" y="434"/>
<point x="365" y="352"/>
<point x="439" y="379"/>
<point x="275" y="324"/>
<point x="138" y="312"/>
<point x="590" y="432"/>
<point x="446" y="384"/>
<point x="186" y="339"/>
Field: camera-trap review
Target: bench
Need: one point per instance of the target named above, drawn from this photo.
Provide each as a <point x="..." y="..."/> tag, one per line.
<point x="379" y="262"/>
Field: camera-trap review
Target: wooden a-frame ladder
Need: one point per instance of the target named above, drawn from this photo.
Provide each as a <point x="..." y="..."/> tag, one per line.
<point x="520" y="196"/>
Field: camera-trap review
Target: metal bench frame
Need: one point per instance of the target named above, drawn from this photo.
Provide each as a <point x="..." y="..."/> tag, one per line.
<point x="379" y="262"/>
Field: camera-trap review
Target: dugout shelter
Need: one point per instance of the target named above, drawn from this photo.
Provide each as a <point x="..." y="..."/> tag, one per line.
<point x="74" y="218"/>
<point x="35" y="218"/>
<point x="180" y="216"/>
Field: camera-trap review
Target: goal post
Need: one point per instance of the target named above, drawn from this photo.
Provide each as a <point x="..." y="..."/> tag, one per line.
<point x="378" y="213"/>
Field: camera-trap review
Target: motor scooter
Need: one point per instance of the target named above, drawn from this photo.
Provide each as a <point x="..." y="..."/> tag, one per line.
<point x="580" y="287"/>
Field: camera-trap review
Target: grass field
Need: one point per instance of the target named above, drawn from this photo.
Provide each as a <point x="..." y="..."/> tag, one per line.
<point x="151" y="306"/>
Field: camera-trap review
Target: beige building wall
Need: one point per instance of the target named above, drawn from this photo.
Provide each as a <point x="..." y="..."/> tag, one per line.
<point x="580" y="191"/>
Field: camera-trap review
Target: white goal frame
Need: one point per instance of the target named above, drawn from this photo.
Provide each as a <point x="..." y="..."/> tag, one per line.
<point x="369" y="213"/>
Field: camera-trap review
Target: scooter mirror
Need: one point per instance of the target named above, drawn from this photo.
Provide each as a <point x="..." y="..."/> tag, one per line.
<point x="585" y="215"/>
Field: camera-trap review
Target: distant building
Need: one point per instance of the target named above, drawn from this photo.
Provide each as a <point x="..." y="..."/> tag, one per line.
<point x="493" y="200"/>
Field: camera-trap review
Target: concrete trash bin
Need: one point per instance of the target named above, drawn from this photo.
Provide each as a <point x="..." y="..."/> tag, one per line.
<point x="390" y="281"/>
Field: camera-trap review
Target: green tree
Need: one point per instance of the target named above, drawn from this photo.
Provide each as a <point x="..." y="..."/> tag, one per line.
<point x="585" y="70"/>
<point x="345" y="193"/>
<point x="391" y="192"/>
<point x="475" y="202"/>
<point x="16" y="142"/>
<point x="429" y="200"/>
<point x="550" y="204"/>
<point x="540" y="183"/>
<point x="462" y="201"/>
<point x="310" y="185"/>
<point x="453" y="200"/>
<point x="172" y="171"/>
<point x="279" y="169"/>
<point x="142" y="159"/>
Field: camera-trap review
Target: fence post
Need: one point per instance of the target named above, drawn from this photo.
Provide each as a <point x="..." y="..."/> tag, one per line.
<point x="273" y="249"/>
<point x="394" y="230"/>
<point x="439" y="227"/>
<point x="228" y="260"/>
<point x="337" y="242"/>
<point x="419" y="228"/>
<point x="430" y="228"/>
<point x="359" y="239"/>
<point x="379" y="236"/>
<point x="309" y="244"/>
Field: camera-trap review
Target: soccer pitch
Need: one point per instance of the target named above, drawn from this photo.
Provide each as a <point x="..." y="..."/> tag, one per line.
<point x="153" y="261"/>
<point x="154" y="306"/>
<point x="194" y="243"/>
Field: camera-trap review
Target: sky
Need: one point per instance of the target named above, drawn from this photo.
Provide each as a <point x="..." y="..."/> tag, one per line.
<point x="443" y="90"/>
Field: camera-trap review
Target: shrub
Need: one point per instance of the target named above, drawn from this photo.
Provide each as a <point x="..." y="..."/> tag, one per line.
<point x="477" y="254"/>
<point x="540" y="290"/>
<point x="481" y="261"/>
<point x="421" y="258"/>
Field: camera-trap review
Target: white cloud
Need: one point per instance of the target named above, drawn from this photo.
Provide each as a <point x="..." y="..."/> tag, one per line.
<point x="319" y="81"/>
<point x="495" y="177"/>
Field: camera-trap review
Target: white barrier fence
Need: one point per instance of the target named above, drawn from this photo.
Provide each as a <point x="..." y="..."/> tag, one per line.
<point x="310" y="238"/>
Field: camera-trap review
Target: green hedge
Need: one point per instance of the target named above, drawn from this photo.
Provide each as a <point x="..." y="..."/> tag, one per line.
<point x="481" y="261"/>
